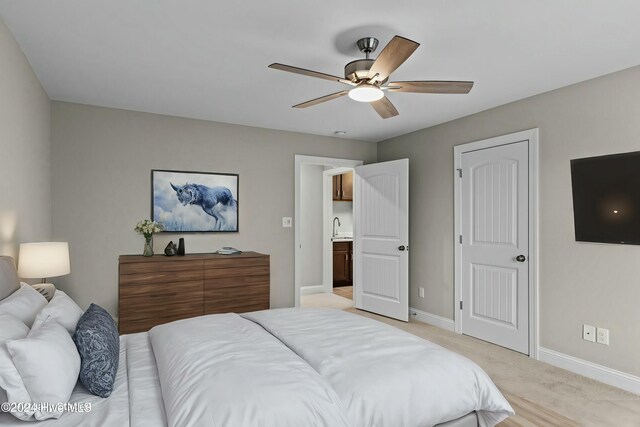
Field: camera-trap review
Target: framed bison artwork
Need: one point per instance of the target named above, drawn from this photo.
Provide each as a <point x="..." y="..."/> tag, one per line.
<point x="195" y="202"/>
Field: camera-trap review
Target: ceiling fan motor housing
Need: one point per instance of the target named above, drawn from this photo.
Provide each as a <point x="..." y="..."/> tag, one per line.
<point x="357" y="70"/>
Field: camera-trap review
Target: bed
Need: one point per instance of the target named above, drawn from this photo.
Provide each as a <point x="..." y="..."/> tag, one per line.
<point x="280" y="368"/>
<point x="287" y="367"/>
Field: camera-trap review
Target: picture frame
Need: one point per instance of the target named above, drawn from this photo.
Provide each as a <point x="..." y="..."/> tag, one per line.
<point x="195" y="202"/>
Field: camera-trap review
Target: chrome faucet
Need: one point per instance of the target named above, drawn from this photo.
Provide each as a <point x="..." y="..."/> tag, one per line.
<point x="334" y="225"/>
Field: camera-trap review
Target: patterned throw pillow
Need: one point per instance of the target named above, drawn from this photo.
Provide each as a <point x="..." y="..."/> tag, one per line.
<point x="98" y="343"/>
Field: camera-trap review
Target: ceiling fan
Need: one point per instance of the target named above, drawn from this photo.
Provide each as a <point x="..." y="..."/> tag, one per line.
<point x="370" y="78"/>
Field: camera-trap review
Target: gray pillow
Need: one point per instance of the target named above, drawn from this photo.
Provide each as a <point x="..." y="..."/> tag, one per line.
<point x="98" y="343"/>
<point x="9" y="282"/>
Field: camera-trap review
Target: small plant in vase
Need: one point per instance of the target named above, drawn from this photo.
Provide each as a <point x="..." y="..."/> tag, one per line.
<point x="148" y="228"/>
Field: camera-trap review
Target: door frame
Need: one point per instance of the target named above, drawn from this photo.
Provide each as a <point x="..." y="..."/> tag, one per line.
<point x="300" y="160"/>
<point x="530" y="135"/>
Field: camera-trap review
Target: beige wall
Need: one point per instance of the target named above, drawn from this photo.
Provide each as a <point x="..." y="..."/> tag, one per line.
<point x="25" y="150"/>
<point x="101" y="187"/>
<point x="597" y="284"/>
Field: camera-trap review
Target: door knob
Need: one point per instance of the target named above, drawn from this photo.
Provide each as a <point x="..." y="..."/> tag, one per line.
<point x="521" y="258"/>
<point x="401" y="248"/>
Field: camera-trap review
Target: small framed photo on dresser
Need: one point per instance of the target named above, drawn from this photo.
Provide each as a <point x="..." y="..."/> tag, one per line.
<point x="195" y="202"/>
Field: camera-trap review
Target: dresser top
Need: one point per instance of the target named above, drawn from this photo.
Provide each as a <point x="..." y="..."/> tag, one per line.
<point x="192" y="257"/>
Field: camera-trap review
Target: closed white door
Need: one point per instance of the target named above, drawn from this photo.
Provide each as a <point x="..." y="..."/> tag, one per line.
<point x="495" y="241"/>
<point x="381" y="239"/>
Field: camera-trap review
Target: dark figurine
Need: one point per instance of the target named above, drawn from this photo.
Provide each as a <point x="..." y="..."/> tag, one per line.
<point x="181" y="247"/>
<point x="171" y="249"/>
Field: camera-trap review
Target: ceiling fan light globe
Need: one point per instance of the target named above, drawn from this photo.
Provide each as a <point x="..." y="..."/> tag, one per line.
<point x="366" y="93"/>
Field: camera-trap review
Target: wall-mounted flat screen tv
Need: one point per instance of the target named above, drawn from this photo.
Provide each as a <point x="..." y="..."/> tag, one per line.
<point x="606" y="198"/>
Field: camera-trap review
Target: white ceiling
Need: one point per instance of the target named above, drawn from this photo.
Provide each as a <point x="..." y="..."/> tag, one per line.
<point x="208" y="59"/>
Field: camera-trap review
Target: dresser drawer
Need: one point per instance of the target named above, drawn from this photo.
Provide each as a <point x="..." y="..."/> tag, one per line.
<point x="231" y="262"/>
<point x="214" y="293"/>
<point x="160" y="277"/>
<point x="160" y="266"/>
<point x="221" y="273"/>
<point x="235" y="281"/>
<point x="155" y="310"/>
<point x="156" y="303"/>
<point x="159" y="289"/>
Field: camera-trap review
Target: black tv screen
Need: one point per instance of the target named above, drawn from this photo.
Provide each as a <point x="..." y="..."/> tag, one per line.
<point x="606" y="198"/>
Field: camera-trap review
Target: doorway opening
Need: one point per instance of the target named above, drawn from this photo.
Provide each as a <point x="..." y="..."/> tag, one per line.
<point x="324" y="224"/>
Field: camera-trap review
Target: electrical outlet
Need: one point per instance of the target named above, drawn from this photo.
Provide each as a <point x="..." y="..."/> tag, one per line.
<point x="589" y="333"/>
<point x="602" y="336"/>
<point x="286" y="221"/>
<point x="421" y="292"/>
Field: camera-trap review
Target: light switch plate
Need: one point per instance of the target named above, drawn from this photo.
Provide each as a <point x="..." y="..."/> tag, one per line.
<point x="421" y="292"/>
<point x="589" y="333"/>
<point x="286" y="221"/>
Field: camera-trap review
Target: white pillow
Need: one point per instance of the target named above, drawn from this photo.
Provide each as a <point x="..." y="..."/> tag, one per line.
<point x="63" y="310"/>
<point x="11" y="328"/>
<point x="12" y="384"/>
<point x="25" y="304"/>
<point x="48" y="363"/>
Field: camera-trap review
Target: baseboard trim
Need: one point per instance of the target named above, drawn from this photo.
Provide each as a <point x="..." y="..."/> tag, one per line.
<point x="591" y="370"/>
<point x="432" y="319"/>
<point x="310" y="290"/>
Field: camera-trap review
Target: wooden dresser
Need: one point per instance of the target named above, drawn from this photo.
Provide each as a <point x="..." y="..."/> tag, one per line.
<point x="160" y="289"/>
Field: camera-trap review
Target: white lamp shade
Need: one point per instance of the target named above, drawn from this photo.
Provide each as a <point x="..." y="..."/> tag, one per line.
<point x="43" y="259"/>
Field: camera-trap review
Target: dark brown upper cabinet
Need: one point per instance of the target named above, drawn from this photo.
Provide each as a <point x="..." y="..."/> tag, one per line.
<point x="343" y="187"/>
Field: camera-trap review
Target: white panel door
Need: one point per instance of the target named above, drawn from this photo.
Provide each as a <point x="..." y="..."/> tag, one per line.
<point x="495" y="244"/>
<point x="381" y="239"/>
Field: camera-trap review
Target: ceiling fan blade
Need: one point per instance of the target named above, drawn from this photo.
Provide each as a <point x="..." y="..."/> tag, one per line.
<point x="321" y="99"/>
<point x="385" y="108"/>
<point x="392" y="56"/>
<point x="431" y="86"/>
<point x="310" y="73"/>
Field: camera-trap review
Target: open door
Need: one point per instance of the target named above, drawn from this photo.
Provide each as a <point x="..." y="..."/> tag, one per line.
<point x="381" y="239"/>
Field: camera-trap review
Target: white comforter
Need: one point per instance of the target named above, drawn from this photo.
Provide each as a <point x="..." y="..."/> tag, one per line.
<point x="384" y="376"/>
<point x="223" y="370"/>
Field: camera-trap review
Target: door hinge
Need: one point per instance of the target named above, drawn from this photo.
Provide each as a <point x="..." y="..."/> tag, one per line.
<point x="460" y="305"/>
<point x="460" y="239"/>
<point x="460" y="173"/>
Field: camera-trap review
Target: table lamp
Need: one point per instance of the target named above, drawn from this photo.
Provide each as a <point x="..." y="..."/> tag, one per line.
<point x="41" y="260"/>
